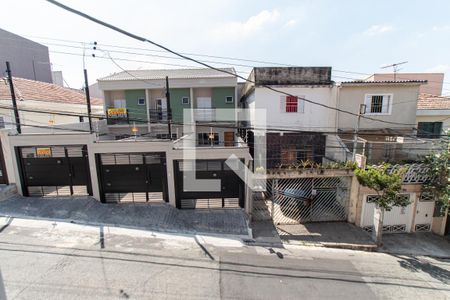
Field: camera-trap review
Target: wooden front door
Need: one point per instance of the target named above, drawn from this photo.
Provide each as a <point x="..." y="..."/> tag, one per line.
<point x="229" y="138"/>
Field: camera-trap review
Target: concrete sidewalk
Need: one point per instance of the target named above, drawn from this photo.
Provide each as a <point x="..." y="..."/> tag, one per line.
<point x="327" y="234"/>
<point x="155" y="217"/>
<point x="416" y="244"/>
<point x="348" y="236"/>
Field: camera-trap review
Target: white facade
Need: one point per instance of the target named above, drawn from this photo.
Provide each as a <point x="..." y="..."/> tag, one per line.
<point x="309" y="116"/>
<point x="95" y="146"/>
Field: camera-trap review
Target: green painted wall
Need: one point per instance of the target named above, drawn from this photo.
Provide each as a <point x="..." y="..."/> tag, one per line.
<point x="218" y="101"/>
<point x="176" y="105"/>
<point x="136" y="111"/>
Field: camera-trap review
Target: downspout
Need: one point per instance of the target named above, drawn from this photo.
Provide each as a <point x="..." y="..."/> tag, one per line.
<point x="338" y="94"/>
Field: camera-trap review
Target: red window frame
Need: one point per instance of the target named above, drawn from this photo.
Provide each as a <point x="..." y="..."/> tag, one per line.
<point x="291" y="104"/>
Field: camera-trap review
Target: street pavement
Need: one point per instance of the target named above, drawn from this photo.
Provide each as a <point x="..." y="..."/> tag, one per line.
<point x="56" y="260"/>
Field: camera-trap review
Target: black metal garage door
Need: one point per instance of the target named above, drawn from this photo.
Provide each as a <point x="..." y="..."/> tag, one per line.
<point x="231" y="194"/>
<point x="54" y="170"/>
<point x="132" y="177"/>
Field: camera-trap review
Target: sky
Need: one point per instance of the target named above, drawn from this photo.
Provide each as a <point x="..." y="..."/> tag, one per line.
<point x="354" y="37"/>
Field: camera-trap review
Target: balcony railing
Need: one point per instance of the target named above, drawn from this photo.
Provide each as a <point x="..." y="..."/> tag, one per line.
<point x="205" y="114"/>
<point x="115" y="116"/>
<point x="159" y="115"/>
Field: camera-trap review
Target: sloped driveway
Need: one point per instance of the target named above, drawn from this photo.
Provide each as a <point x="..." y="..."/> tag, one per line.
<point x="155" y="217"/>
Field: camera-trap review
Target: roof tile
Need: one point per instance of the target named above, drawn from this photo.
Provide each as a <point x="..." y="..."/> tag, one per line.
<point x="428" y="101"/>
<point x="171" y="73"/>
<point x="42" y="91"/>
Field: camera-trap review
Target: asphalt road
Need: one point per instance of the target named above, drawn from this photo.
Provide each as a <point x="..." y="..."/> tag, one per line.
<point x="45" y="260"/>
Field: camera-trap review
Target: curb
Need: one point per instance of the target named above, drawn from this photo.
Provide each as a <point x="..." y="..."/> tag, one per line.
<point x="252" y="242"/>
<point x="358" y="247"/>
<point x="361" y="247"/>
<point x="415" y="254"/>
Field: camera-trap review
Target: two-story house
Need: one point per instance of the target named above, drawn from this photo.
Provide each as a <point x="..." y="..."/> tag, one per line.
<point x="387" y="126"/>
<point x="136" y="102"/>
<point x="296" y="129"/>
<point x="133" y="159"/>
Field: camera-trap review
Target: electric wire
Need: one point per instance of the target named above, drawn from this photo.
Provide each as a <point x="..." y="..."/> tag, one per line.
<point x="142" y="39"/>
<point x="212" y="56"/>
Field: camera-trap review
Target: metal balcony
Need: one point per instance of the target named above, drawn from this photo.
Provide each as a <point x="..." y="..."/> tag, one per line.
<point x="117" y="119"/>
<point x="159" y="115"/>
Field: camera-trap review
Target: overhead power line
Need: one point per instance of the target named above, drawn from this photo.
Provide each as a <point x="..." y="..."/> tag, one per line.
<point x="212" y="56"/>
<point x="145" y="40"/>
<point x="145" y="121"/>
<point x="206" y="55"/>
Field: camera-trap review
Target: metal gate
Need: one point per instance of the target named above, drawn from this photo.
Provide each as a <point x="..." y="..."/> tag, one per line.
<point x="300" y="200"/>
<point x="396" y="220"/>
<point x="132" y="177"/>
<point x="48" y="171"/>
<point x="231" y="194"/>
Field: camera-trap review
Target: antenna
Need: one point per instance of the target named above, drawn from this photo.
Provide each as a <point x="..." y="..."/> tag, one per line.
<point x="395" y="68"/>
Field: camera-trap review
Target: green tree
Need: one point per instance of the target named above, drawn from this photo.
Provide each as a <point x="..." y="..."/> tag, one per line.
<point x="387" y="185"/>
<point x="438" y="175"/>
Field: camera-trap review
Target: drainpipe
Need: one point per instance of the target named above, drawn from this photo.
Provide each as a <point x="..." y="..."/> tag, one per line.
<point x="169" y="112"/>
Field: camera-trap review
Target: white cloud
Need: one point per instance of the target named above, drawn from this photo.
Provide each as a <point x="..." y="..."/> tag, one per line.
<point x="252" y="25"/>
<point x="439" y="69"/>
<point x="291" y="23"/>
<point x="378" y="29"/>
<point x="441" y="28"/>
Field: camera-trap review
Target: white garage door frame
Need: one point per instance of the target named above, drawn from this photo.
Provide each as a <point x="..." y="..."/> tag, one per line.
<point x="424" y="213"/>
<point x="397" y="220"/>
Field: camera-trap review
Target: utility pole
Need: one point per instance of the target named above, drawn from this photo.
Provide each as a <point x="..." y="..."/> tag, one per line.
<point x="169" y="113"/>
<point x="13" y="98"/>
<point x="362" y="110"/>
<point x="88" y="99"/>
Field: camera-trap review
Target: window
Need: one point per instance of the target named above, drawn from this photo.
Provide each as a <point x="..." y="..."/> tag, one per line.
<point x="431" y="130"/>
<point x="81" y="119"/>
<point x="378" y="104"/>
<point x="208" y="165"/>
<point x="185" y="100"/>
<point x="229" y="99"/>
<point x="203" y="139"/>
<point x="2" y="122"/>
<point x="288" y="154"/>
<point x="141" y="101"/>
<point x="214" y="165"/>
<point x="304" y="153"/>
<point x="293" y="153"/>
<point x="200" y="165"/>
<point x="120" y="103"/>
<point x="291" y="104"/>
<point x="166" y="136"/>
